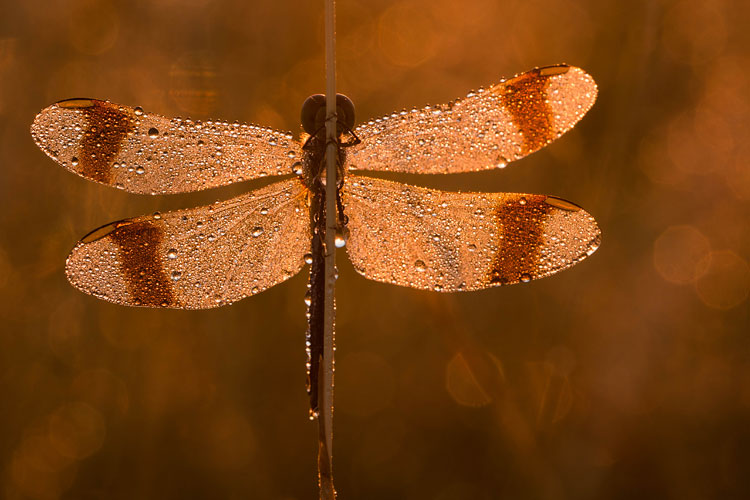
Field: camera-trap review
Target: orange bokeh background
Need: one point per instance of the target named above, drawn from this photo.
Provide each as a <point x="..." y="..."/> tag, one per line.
<point x="626" y="375"/>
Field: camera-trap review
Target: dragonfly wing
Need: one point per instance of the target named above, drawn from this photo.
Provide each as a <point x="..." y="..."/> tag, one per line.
<point x="446" y="241"/>
<point x="200" y="257"/>
<point x="487" y="129"/>
<point x="146" y="153"/>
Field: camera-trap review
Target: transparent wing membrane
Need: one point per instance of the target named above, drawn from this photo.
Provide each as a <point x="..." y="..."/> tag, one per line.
<point x="422" y="238"/>
<point x="147" y="153"/>
<point x="445" y="241"/>
<point x="200" y="257"/>
<point x="486" y="129"/>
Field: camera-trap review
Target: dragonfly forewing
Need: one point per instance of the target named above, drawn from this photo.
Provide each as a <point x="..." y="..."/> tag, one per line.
<point x="146" y="153"/>
<point x="486" y="129"/>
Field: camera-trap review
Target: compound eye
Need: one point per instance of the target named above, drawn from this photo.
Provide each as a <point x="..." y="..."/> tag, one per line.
<point x="313" y="113"/>
<point x="345" y="111"/>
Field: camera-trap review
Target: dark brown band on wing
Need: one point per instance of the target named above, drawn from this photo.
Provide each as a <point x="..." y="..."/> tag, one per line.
<point x="520" y="239"/>
<point x="107" y="128"/>
<point x="139" y="245"/>
<point x="525" y="98"/>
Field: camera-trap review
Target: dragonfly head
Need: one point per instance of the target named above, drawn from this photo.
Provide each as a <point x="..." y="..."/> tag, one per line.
<point x="314" y="114"/>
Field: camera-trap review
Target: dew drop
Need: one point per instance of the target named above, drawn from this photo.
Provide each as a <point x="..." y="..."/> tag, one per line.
<point x="157" y="215"/>
<point x="140" y="170"/>
<point x="176" y="275"/>
<point x="172" y="253"/>
<point x="420" y="266"/>
<point x="522" y="201"/>
<point x="257" y="231"/>
<point x="308" y="298"/>
<point x="153" y="132"/>
<point x="342" y="234"/>
<point x="138" y="111"/>
<point x="297" y="168"/>
<point x="74" y="161"/>
<point x="525" y="278"/>
<point x="308" y="258"/>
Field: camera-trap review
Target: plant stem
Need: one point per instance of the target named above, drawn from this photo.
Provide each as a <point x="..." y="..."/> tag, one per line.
<point x="325" y="419"/>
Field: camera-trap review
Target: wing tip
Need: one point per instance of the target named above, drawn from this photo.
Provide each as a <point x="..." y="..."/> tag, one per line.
<point x="585" y="235"/>
<point x="42" y="127"/>
<point x="579" y="79"/>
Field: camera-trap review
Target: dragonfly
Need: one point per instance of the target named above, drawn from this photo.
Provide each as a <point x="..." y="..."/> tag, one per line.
<point x="393" y="232"/>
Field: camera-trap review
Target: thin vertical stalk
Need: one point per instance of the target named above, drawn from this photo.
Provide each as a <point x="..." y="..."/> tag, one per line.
<point x="325" y="419"/>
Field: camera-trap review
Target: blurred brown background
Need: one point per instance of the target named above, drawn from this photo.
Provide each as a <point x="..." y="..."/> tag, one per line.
<point x="626" y="375"/>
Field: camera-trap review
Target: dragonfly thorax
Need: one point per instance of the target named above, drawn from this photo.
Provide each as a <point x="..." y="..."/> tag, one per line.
<point x="312" y="168"/>
<point x="313" y="117"/>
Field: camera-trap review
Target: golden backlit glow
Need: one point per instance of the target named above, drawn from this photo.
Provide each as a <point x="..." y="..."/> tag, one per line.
<point x="680" y="254"/>
<point x="726" y="282"/>
<point x="626" y="376"/>
<point x="462" y="384"/>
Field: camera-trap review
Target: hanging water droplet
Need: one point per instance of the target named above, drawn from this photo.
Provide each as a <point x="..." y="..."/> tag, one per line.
<point x="308" y="258"/>
<point x="342" y="234"/>
<point x="257" y="231"/>
<point x="138" y="111"/>
<point x="525" y="278"/>
<point x="157" y="215"/>
<point x="593" y="248"/>
<point x="297" y="168"/>
<point x="522" y="201"/>
<point x="308" y="298"/>
<point x="74" y="161"/>
<point x="420" y="266"/>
